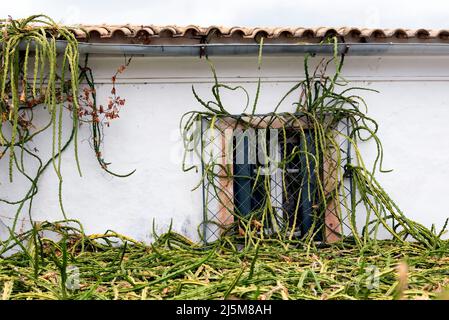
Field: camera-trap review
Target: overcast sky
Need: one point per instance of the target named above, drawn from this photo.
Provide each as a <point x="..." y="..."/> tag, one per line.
<point x="358" y="13"/>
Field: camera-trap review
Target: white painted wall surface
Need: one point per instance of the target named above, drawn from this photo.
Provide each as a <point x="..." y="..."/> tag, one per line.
<point x="412" y="110"/>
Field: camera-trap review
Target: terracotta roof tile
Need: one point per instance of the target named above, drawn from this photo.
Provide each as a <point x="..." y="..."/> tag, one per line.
<point x="148" y="34"/>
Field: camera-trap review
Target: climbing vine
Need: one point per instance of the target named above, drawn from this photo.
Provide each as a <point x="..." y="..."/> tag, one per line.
<point x="323" y="100"/>
<point x="40" y="73"/>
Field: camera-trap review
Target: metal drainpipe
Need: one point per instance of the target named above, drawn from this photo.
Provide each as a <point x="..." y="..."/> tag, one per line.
<point x="196" y="50"/>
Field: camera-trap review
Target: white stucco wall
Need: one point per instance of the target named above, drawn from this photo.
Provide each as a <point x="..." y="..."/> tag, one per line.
<point x="412" y="110"/>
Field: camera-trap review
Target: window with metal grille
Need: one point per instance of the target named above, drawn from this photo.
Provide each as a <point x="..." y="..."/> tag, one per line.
<point x="262" y="162"/>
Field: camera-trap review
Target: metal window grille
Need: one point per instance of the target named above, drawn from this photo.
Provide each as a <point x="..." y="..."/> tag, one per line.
<point x="251" y="163"/>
